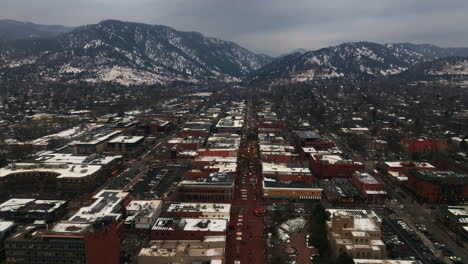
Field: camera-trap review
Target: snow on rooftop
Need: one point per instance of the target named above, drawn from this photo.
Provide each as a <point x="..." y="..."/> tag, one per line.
<point x="126" y="139"/>
<point x="72" y="159"/>
<point x="70" y="227"/>
<point x="5" y="225"/>
<point x="199" y="207"/>
<point x="62" y="170"/>
<point x="107" y="203"/>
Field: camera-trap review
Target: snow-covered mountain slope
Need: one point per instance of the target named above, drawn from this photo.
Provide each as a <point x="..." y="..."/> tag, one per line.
<point x="128" y="53"/>
<point x="452" y="66"/>
<point x="358" y="59"/>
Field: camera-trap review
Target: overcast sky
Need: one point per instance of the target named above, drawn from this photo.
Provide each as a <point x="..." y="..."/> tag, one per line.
<point x="269" y="26"/>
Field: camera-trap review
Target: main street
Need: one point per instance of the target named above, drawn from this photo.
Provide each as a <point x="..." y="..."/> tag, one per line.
<point x="246" y="240"/>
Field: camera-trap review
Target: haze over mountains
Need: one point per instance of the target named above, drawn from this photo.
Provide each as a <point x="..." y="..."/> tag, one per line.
<point x="12" y="29"/>
<point x="133" y="53"/>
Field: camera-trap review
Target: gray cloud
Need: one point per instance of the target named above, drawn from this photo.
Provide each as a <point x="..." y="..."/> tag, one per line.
<point x="272" y="26"/>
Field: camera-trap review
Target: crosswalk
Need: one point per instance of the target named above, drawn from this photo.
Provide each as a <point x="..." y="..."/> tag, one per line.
<point x="244" y="195"/>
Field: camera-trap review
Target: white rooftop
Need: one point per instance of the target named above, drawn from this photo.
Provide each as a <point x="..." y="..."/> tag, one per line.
<point x="70" y="227"/>
<point x="279" y="168"/>
<point x="5" y="225"/>
<point x="126" y="139"/>
<point x="68" y="158"/>
<point x="143" y="206"/>
<point x="107" y="203"/>
<point x="191" y="224"/>
<point x="62" y="170"/>
<point x="199" y="207"/>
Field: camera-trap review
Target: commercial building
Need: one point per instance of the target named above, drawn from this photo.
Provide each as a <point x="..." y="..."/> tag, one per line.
<point x="277" y="189"/>
<point x="95" y="242"/>
<point x="356" y="232"/>
<point x="278" y="153"/>
<point x="210" y="249"/>
<point x="287" y="172"/>
<point x="329" y="166"/>
<point x="5" y="231"/>
<point x="456" y="217"/>
<point x="384" y="261"/>
<point x="58" y="178"/>
<point x="340" y="190"/>
<point x="198" y="210"/>
<point x="217" y="187"/>
<point x="371" y="188"/>
<point x="94" y="144"/>
<point x="126" y="145"/>
<point x="187" y="228"/>
<point x="219" y="152"/>
<point x="142" y="214"/>
<point x="311" y="139"/>
<point x="420" y="147"/>
<point x="30" y="210"/>
<point x="438" y="186"/>
<point x="230" y="125"/>
<point x="395" y="169"/>
<point x="106" y="203"/>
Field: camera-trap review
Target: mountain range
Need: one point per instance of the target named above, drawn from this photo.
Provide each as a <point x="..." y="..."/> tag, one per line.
<point x="12" y="29"/>
<point x="130" y="53"/>
<point x="356" y="59"/>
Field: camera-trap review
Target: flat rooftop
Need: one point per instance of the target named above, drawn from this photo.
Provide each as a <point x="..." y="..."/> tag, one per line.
<point x="365" y="177"/>
<point x="403" y="164"/>
<point x="190" y="224"/>
<point x="96" y="139"/>
<point x="282" y="168"/>
<point x="308" y="135"/>
<point x="126" y="140"/>
<point x="31" y="205"/>
<point x="143" y="208"/>
<point x="107" y="203"/>
<point x="51" y="157"/>
<point x="72" y="227"/>
<point x="61" y="169"/>
<point x="199" y="207"/>
<point x="6" y="225"/>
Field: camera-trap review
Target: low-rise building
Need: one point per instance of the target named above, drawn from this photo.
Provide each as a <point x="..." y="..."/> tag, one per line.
<point x="106" y="203"/>
<point x="50" y="177"/>
<point x="217" y="187"/>
<point x="126" y="145"/>
<point x="456" y="217"/>
<point x="95" y="242"/>
<point x="30" y="210"/>
<point x="210" y="249"/>
<point x="5" y="231"/>
<point x="277" y="189"/>
<point x="371" y="188"/>
<point x="329" y="166"/>
<point x="438" y="186"/>
<point x="198" y="210"/>
<point x="187" y="228"/>
<point x="142" y="214"/>
<point x="356" y="232"/>
<point x="287" y="172"/>
<point x="94" y="144"/>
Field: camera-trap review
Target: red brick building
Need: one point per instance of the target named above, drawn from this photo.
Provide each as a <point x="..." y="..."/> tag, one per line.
<point x="370" y="187"/>
<point x="95" y="242"/>
<point x="311" y="139"/>
<point x="329" y="166"/>
<point x="438" y="186"/>
<point x="287" y="172"/>
<point x="416" y="148"/>
<point x="217" y="152"/>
